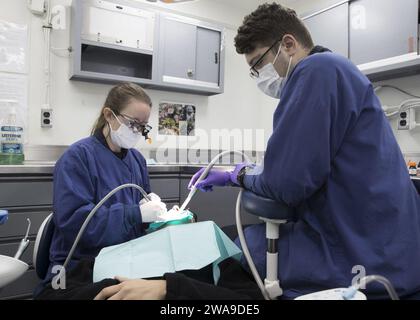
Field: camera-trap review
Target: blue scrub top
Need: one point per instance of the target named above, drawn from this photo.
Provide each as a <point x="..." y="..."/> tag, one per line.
<point x="334" y="158"/>
<point x="83" y="176"/>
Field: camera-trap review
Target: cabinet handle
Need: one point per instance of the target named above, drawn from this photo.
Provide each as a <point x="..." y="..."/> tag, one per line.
<point x="118" y="41"/>
<point x="216" y="58"/>
<point x="190" y="72"/>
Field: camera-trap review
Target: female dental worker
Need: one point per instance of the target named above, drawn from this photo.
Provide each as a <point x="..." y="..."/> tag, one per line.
<point x="334" y="158"/>
<point x="94" y="166"/>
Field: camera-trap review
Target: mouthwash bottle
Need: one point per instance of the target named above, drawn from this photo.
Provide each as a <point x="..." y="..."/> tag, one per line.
<point x="11" y="134"/>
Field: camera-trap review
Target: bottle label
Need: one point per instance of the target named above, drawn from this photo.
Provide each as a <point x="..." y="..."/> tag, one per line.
<point x="11" y="139"/>
<point x="11" y="128"/>
<point x="15" y="148"/>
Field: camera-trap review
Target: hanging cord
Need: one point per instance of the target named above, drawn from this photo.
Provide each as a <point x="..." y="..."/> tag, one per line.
<point x="406" y="105"/>
<point x="47" y="54"/>
<point x="377" y="88"/>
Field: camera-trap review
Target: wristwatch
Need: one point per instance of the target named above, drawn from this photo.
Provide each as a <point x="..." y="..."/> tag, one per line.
<point x="241" y="176"/>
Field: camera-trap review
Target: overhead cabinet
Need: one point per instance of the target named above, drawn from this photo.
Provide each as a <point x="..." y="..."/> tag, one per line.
<point x="381" y="35"/>
<point x="381" y="29"/>
<point x="125" y="26"/>
<point x="118" y="41"/>
<point x="330" y="28"/>
<point x="191" y="54"/>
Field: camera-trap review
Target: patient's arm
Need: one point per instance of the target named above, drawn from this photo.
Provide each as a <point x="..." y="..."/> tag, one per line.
<point x="234" y="283"/>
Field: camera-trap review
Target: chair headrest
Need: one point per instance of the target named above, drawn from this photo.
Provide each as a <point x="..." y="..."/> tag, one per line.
<point x="41" y="258"/>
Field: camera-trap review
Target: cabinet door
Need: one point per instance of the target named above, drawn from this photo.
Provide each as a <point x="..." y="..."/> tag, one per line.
<point x="208" y="55"/>
<point x="381" y="29"/>
<point x="116" y="24"/>
<point x="179" y="49"/>
<point x="330" y="29"/>
<point x="167" y="187"/>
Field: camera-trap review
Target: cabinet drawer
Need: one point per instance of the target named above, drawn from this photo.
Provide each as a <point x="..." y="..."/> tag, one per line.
<point x="17" y="224"/>
<point x="166" y="188"/>
<point x="25" y="192"/>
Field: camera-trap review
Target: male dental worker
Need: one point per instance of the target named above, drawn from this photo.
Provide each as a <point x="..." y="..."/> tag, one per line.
<point x="334" y="158"/>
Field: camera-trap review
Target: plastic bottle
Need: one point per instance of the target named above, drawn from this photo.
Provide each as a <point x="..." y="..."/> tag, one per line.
<point x="11" y="134"/>
<point x="412" y="168"/>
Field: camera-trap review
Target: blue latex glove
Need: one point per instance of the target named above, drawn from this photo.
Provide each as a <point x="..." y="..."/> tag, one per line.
<point x="216" y="178"/>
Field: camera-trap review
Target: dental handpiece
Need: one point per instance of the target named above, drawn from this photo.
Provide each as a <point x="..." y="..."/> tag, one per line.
<point x="24" y="242"/>
<point x="194" y="188"/>
<point x="205" y="173"/>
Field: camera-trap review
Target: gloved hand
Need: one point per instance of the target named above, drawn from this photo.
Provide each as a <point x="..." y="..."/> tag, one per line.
<point x="216" y="178"/>
<point x="152" y="196"/>
<point x="152" y="211"/>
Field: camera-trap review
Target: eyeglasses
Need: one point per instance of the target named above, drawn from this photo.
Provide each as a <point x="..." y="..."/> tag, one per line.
<point x="136" y="126"/>
<point x="253" y="72"/>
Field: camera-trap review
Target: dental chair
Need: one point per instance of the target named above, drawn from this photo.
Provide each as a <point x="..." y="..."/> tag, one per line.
<point x="273" y="214"/>
<point x="41" y="256"/>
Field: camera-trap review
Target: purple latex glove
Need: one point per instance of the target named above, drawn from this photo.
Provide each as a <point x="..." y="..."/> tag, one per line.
<point x="216" y="178"/>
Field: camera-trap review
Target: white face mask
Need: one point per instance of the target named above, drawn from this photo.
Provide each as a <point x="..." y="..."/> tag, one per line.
<point x="124" y="137"/>
<point x="269" y="80"/>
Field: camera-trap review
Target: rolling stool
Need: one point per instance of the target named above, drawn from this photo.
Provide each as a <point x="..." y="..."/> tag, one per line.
<point x="273" y="214"/>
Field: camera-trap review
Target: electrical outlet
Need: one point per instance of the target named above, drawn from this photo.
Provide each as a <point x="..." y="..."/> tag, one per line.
<point x="46" y="118"/>
<point x="404" y="120"/>
<point x="407" y="120"/>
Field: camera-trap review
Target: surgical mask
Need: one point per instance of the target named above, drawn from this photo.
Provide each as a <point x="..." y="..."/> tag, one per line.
<point x="269" y="80"/>
<point x="124" y="137"/>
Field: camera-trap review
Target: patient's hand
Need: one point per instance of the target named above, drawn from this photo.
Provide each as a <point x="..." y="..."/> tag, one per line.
<point x="134" y="289"/>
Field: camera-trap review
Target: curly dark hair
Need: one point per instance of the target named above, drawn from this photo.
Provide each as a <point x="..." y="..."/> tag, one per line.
<point x="268" y="23"/>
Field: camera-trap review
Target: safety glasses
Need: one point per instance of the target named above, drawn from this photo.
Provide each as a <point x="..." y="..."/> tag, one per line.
<point x="253" y="72"/>
<point x="136" y="126"/>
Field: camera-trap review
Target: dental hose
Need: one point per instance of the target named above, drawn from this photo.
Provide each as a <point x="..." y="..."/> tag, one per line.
<point x="238" y="219"/>
<point x="245" y="249"/>
<point x="92" y="213"/>
<point x="351" y="291"/>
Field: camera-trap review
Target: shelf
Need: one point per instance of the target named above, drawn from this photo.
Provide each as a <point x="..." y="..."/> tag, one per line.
<point x="116" y="62"/>
<point x="400" y="66"/>
<point x="116" y="47"/>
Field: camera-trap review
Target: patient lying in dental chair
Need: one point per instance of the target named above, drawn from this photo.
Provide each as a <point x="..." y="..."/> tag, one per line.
<point x="192" y="261"/>
<point x="235" y="283"/>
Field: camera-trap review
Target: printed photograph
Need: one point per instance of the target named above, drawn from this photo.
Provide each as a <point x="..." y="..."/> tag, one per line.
<point x="176" y="119"/>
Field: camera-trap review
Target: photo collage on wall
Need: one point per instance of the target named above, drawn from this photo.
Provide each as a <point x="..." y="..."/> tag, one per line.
<point x="176" y="119"/>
